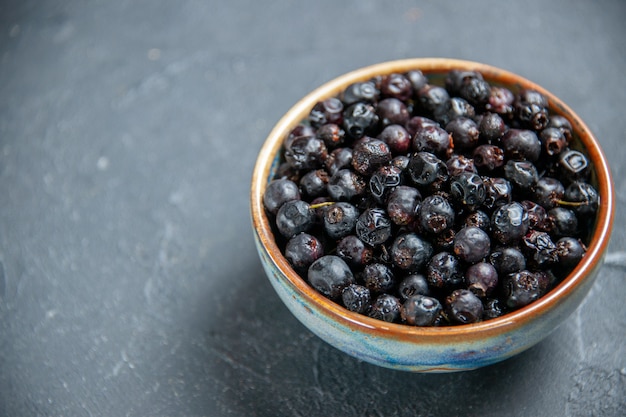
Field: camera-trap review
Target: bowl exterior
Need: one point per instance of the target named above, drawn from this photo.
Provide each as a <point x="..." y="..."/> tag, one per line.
<point x="435" y="349"/>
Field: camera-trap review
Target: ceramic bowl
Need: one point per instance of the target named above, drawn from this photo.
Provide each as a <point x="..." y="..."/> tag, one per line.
<point x="428" y="349"/>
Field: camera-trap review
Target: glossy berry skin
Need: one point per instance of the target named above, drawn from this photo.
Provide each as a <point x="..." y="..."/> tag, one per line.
<point x="356" y="298"/>
<point x="305" y="153"/>
<point x="584" y="196"/>
<point x="354" y="252"/>
<point x="369" y="154"/>
<point x="373" y="226"/>
<point x="417" y="79"/>
<point x="455" y="79"/>
<point x="522" y="174"/>
<point x="481" y="278"/>
<point x="472" y="244"/>
<point x="385" y="307"/>
<point x="569" y="251"/>
<point x="458" y="164"/>
<point x="332" y="134"/>
<point x="392" y="111"/>
<point x="359" y="119"/>
<point x="421" y="310"/>
<point x="397" y="138"/>
<point x="416" y="123"/>
<point x="444" y="271"/>
<point x="492" y="308"/>
<point x="329" y="275"/>
<point x="302" y="250"/>
<point x="509" y="222"/>
<point x="360" y="92"/>
<point x="501" y="101"/>
<point x="478" y="219"/>
<point x="492" y="127"/>
<point x="573" y="164"/>
<point x="537" y="216"/>
<point x="498" y="191"/>
<point x="464" y="132"/>
<point x="432" y="139"/>
<point x="326" y="111"/>
<point x="523" y="287"/>
<point x="548" y="192"/>
<point x="553" y="140"/>
<point x="464" y="307"/>
<point x="507" y="260"/>
<point x="402" y="204"/>
<point x="562" y="124"/>
<point x="378" y="278"/>
<point x="435" y="214"/>
<point x="278" y="192"/>
<point x="431" y="97"/>
<point x="339" y="158"/>
<point x="294" y="217"/>
<point x="409" y="252"/>
<point x="539" y="248"/>
<point x="345" y="185"/>
<point x="452" y="109"/>
<point x="563" y="222"/>
<point x="426" y="170"/>
<point x="314" y="183"/>
<point x="384" y="180"/>
<point x="397" y="86"/>
<point x="521" y="144"/>
<point x="488" y="157"/>
<point x="411" y="285"/>
<point x="476" y="91"/>
<point x="531" y="109"/>
<point x="468" y="189"/>
<point x="340" y="220"/>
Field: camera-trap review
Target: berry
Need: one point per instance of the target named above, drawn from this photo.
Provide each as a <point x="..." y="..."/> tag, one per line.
<point x="326" y="111"/>
<point x="501" y="101"/>
<point x="378" y="278"/>
<point x="464" y="306"/>
<point x="507" y="260"/>
<point x="369" y="154"/>
<point x="482" y="279"/>
<point x="471" y="244"/>
<point x="431" y="97"/>
<point x="569" y="251"/>
<point x="413" y="284"/>
<point x="373" y="226"/>
<point x="385" y="179"/>
<point x="478" y="219"/>
<point x="522" y="174"/>
<point x="278" y="192"/>
<point x="521" y="144"/>
<point x="402" y="204"/>
<point x="583" y="196"/>
<point x="537" y="216"/>
<point x="432" y="139"/>
<point x="329" y="275"/>
<point x="360" y="92"/>
<point x="339" y="158"/>
<point x="540" y="248"/>
<point x="294" y="217"/>
<point x="435" y="214"/>
<point x="531" y="109"/>
<point x="488" y="157"/>
<point x="415" y="123"/>
<point x="426" y="170"/>
<point x="444" y="271"/>
<point x="314" y="183"/>
<point x="346" y="184"/>
<point x="354" y="252"/>
<point x="356" y="298"/>
<point x="392" y="111"/>
<point x="386" y="307"/>
<point x="498" y="192"/>
<point x="359" y="119"/>
<point x="421" y="310"/>
<point x="302" y="250"/>
<point x="410" y="252"/>
<point x="397" y="86"/>
<point x="492" y="308"/>
<point x="563" y="222"/>
<point x="397" y="138"/>
<point x="523" y="287"/>
<point x="340" y="220"/>
<point x="452" y="109"/>
<point x="553" y="140"/>
<point x="464" y="132"/>
<point x="573" y="164"/>
<point x="332" y="134"/>
<point x="491" y="127"/>
<point x="548" y="192"/>
<point x="468" y="189"/>
<point x="509" y="222"/>
<point x="306" y="152"/>
<point x="457" y="164"/>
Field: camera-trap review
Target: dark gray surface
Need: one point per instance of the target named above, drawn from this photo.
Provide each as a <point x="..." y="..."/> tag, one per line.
<point x="129" y="282"/>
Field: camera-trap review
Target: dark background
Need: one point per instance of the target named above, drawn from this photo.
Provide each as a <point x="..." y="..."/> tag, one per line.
<point x="129" y="281"/>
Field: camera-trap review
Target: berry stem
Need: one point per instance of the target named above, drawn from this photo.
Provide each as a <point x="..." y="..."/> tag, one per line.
<point x="572" y="203"/>
<point x="320" y="205"/>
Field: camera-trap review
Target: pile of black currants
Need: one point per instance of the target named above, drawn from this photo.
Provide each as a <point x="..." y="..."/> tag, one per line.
<point x="432" y="204"/>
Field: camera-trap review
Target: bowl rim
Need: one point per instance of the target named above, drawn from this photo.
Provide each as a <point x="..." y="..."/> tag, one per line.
<point x="598" y="242"/>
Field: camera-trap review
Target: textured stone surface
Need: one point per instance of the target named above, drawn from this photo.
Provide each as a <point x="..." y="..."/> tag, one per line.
<point x="129" y="282"/>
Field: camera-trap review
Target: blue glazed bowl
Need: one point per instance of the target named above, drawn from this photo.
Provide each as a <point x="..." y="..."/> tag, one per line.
<point x="428" y="349"/>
